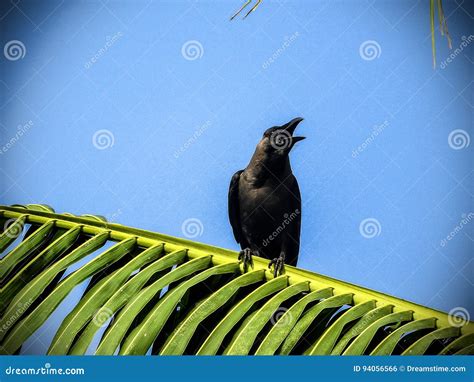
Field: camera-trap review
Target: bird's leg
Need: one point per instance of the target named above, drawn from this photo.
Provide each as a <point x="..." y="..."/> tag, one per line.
<point x="254" y="8"/>
<point x="245" y="257"/>
<point x="241" y="9"/>
<point x="278" y="264"/>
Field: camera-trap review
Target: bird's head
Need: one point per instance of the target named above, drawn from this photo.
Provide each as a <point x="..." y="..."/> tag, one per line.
<point x="278" y="141"/>
<point x="271" y="153"/>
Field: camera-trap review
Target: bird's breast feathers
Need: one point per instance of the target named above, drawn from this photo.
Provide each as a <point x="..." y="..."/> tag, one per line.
<point x="266" y="203"/>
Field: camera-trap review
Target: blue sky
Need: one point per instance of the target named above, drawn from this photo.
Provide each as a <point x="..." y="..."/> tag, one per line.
<point x="184" y="95"/>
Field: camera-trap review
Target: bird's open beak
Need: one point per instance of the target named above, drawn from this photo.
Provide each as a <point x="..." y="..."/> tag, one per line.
<point x="297" y="139"/>
<point x="290" y="127"/>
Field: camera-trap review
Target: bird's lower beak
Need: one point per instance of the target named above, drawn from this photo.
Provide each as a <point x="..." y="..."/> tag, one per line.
<point x="297" y="139"/>
<point x="291" y="126"/>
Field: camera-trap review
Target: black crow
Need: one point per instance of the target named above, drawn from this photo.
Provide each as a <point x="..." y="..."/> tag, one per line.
<point x="265" y="201"/>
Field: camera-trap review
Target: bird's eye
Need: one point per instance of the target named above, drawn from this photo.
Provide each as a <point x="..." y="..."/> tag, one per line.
<point x="267" y="133"/>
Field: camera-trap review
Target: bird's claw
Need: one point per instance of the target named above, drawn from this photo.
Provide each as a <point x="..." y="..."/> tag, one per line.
<point x="245" y="257"/>
<point x="279" y="265"/>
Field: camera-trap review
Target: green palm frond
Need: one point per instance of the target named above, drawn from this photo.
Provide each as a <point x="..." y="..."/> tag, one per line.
<point x="443" y="26"/>
<point x="176" y="296"/>
<point x="247" y="2"/>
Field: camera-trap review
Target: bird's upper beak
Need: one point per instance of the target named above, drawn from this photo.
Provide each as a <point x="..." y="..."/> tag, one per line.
<point x="291" y="126"/>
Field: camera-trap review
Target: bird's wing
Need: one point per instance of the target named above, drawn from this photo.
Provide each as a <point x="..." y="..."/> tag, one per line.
<point x="294" y="229"/>
<point x="233" y="204"/>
